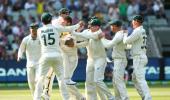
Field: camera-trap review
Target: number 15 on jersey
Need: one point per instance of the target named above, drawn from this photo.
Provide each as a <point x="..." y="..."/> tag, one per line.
<point x="48" y="39"/>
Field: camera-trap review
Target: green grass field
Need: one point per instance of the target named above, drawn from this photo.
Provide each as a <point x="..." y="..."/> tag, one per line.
<point x="157" y="92"/>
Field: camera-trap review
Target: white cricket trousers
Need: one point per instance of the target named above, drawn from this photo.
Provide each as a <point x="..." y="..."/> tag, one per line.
<point x="94" y="80"/>
<point x="118" y="79"/>
<point x="32" y="77"/>
<point x="138" y="77"/>
<point x="49" y="80"/>
<point x="56" y="64"/>
<point x="70" y="62"/>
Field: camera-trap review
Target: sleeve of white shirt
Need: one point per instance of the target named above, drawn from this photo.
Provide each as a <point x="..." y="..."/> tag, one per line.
<point x="61" y="28"/>
<point x="82" y="44"/>
<point x="88" y="34"/>
<point x="130" y="39"/>
<point x="111" y="43"/>
<point x="22" y="48"/>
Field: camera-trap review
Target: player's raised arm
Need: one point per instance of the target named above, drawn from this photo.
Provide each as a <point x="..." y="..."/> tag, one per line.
<point x="61" y="28"/>
<point x="111" y="43"/>
<point x="115" y="26"/>
<point x="83" y="43"/>
<point x="87" y="34"/>
<point x="131" y="38"/>
<point x="91" y="33"/>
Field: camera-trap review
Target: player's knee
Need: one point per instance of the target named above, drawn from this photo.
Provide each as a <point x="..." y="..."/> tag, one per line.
<point x="97" y="82"/>
<point x="89" y="83"/>
<point x="134" y="78"/>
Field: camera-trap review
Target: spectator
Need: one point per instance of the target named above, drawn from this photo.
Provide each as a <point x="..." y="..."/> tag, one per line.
<point x="123" y="9"/>
<point x="75" y="17"/>
<point x="110" y="2"/>
<point x="142" y="7"/>
<point x="150" y="10"/>
<point x="113" y="12"/>
<point x="40" y="6"/>
<point x="133" y="9"/>
<point x="3" y="22"/>
<point x="29" y="5"/>
<point x="158" y="9"/>
<point x="16" y="15"/>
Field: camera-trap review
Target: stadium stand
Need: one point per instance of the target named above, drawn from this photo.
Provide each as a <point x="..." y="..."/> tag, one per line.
<point x="16" y="15"/>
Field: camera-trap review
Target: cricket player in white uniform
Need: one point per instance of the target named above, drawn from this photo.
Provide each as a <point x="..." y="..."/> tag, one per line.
<point x="50" y="75"/>
<point x="138" y="52"/>
<point x="96" y="63"/>
<point x="70" y="58"/>
<point x="29" y="43"/>
<point x="119" y="58"/>
<point x="51" y="55"/>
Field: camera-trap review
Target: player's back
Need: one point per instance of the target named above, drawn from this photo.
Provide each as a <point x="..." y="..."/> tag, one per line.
<point x="49" y="39"/>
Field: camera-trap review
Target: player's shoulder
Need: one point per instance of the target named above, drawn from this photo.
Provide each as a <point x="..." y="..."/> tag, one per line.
<point x="26" y="38"/>
<point x="119" y="33"/>
<point x="86" y="30"/>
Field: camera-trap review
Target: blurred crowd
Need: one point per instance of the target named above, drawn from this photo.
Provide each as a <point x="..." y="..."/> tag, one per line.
<point x="17" y="15"/>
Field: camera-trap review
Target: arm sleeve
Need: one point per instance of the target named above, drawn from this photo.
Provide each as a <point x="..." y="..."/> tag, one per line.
<point x="22" y="48"/>
<point x="129" y="39"/>
<point x="61" y="28"/>
<point x="82" y="44"/>
<point x="110" y="43"/>
<point x="87" y="34"/>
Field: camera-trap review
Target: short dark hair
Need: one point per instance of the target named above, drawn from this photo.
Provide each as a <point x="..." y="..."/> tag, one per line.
<point x="34" y="26"/>
<point x="46" y="18"/>
<point x="68" y="19"/>
<point x="138" y="18"/>
<point x="95" y="22"/>
<point x="64" y="11"/>
<point x="116" y="22"/>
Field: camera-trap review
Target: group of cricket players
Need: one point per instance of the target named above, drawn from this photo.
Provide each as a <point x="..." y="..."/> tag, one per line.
<point x="51" y="50"/>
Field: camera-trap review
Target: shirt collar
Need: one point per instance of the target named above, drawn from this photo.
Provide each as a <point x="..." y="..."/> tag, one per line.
<point x="139" y="27"/>
<point x="32" y="38"/>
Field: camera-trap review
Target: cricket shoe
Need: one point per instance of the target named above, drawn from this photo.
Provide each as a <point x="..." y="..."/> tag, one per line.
<point x="45" y="96"/>
<point x="70" y="82"/>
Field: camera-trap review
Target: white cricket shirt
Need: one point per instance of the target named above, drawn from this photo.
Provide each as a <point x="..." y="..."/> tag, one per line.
<point x="32" y="49"/>
<point x="138" y="40"/>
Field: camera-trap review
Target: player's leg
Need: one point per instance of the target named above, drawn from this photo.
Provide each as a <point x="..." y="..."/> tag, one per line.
<point x="101" y="95"/>
<point x="73" y="59"/>
<point x="75" y="92"/>
<point x="139" y="77"/>
<point x="90" y="86"/>
<point x="69" y="63"/>
<point x="100" y="65"/>
<point x="48" y="84"/>
<point x="118" y="79"/>
<point x="44" y="67"/>
<point x="116" y="92"/>
<point x="31" y="79"/>
<point x="59" y="71"/>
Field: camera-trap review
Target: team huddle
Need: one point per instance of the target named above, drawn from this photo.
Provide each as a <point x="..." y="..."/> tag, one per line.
<point x="51" y="50"/>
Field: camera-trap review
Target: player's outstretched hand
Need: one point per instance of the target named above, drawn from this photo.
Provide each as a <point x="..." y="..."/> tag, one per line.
<point x="81" y="23"/>
<point x="80" y="29"/>
<point x="101" y="35"/>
